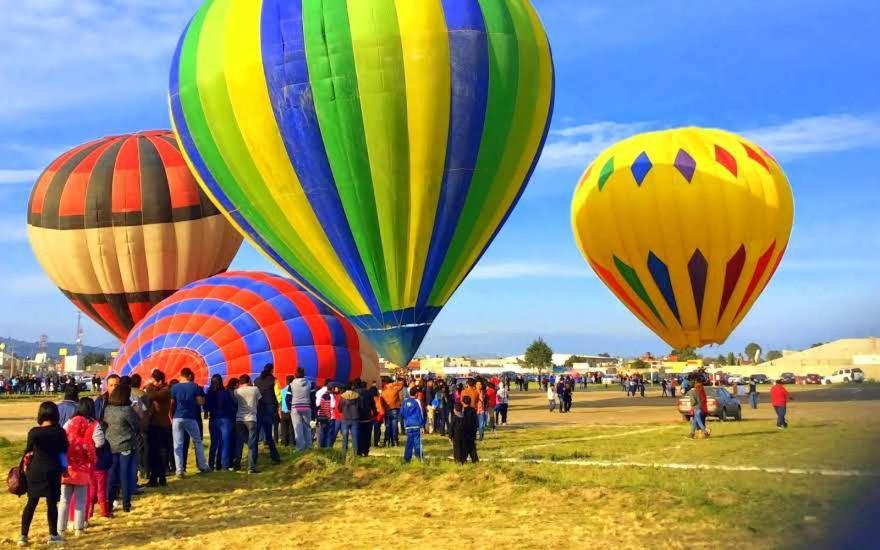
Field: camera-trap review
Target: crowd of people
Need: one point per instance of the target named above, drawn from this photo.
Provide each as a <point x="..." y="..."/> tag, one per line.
<point x="45" y="384"/>
<point x="86" y="456"/>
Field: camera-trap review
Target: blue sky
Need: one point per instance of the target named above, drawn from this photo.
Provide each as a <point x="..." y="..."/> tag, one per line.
<point x="799" y="77"/>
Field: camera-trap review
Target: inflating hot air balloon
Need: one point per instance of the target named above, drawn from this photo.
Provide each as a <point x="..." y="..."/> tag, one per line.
<point x="372" y="149"/>
<point x="119" y="224"/>
<point x="236" y="323"/>
<point x="686" y="227"/>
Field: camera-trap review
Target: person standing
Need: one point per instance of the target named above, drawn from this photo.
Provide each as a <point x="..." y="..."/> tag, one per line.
<point x="48" y="443"/>
<point x="267" y="409"/>
<point x="551" y="398"/>
<point x="366" y="413"/>
<point x="220" y="405"/>
<point x="285" y="430"/>
<point x="502" y="399"/>
<point x="122" y="426"/>
<point x="491" y="403"/>
<point x="301" y="410"/>
<point x="391" y="406"/>
<point x="104" y="398"/>
<point x="468" y="426"/>
<point x="698" y="412"/>
<point x="779" y="398"/>
<point x="753" y="393"/>
<point x="85" y="436"/>
<point x="411" y="410"/>
<point x="350" y="420"/>
<point x="247" y="398"/>
<point x="68" y="407"/>
<point x="158" y="396"/>
<point x="186" y="399"/>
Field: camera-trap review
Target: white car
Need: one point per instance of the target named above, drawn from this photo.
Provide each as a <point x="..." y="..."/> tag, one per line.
<point x="844" y="376"/>
<point x="734" y="379"/>
<point x="610" y="380"/>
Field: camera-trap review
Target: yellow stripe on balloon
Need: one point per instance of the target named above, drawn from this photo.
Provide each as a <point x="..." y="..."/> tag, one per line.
<point x="535" y="68"/>
<point x="424" y="37"/>
<point x="249" y="97"/>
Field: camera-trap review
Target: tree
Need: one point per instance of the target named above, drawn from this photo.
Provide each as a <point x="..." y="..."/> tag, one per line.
<point x="605" y="355"/>
<point x="95" y="359"/>
<point x="684" y="354"/>
<point x="575" y="359"/>
<point x="721" y="360"/>
<point x="731" y="359"/>
<point x="753" y="352"/>
<point x="539" y="354"/>
<point x="774" y="354"/>
<point x="638" y="364"/>
<point x="817" y="344"/>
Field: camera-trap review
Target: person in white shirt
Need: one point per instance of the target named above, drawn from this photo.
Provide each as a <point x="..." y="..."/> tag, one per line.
<point x="246" y="397"/>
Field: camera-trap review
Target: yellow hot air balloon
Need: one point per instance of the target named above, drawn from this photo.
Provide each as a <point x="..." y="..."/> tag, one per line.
<point x="686" y="227"/>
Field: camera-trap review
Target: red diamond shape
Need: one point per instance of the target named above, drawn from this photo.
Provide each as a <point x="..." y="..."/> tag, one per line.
<point x="756" y="157"/>
<point x="725" y="159"/>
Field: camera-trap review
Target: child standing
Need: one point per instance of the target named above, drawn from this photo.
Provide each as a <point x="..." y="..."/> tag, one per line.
<point x="411" y="412"/>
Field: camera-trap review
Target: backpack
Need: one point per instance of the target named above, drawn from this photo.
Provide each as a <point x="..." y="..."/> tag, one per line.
<point x="16" y="480"/>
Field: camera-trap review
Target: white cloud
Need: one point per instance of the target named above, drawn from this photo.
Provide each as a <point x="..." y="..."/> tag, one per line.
<point x="522" y="269"/>
<point x="577" y="146"/>
<point x="818" y="134"/>
<point x="18" y="176"/>
<point x="59" y="54"/>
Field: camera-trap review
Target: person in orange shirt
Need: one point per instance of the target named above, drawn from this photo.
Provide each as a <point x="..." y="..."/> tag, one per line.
<point x="391" y="405"/>
<point x="471" y="391"/>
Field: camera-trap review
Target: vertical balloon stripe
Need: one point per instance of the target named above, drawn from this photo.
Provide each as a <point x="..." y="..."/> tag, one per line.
<point x="660" y="274"/>
<point x="180" y="184"/>
<point x="632" y="279"/>
<point x="760" y="268"/>
<point x="334" y="85"/>
<point x="425" y="41"/>
<point x="126" y="199"/>
<point x="50" y="176"/>
<point x="469" y="59"/>
<point x="698" y="269"/>
<point x="378" y="63"/>
<point x="98" y="198"/>
<point x="609" y="279"/>
<point x="201" y="152"/>
<point x="264" y="152"/>
<point x="290" y="95"/>
<point x="500" y="111"/>
<point x="731" y="277"/>
<point x="72" y="201"/>
<point x="108" y="315"/>
<point x="156" y="199"/>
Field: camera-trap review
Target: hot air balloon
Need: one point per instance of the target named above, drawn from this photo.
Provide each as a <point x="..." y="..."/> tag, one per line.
<point x="119" y="224"/>
<point x="237" y="322"/>
<point x="372" y="149"/>
<point x="686" y="227"/>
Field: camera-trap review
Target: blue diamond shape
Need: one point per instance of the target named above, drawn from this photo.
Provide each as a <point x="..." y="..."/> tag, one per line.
<point x="641" y="167"/>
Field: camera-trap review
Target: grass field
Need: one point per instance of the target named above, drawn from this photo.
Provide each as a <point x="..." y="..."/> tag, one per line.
<point x="616" y="472"/>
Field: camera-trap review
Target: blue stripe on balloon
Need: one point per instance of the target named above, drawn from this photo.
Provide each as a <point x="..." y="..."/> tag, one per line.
<point x="188" y="143"/>
<point x="660" y="274"/>
<point x="343" y="363"/>
<point x="198" y="344"/>
<point x="531" y="168"/>
<point x="287" y="80"/>
<point x="469" y="62"/>
<point x="308" y="356"/>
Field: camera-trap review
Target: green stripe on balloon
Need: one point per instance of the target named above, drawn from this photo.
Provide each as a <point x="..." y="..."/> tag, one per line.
<point x="632" y="279"/>
<point x="382" y="91"/>
<point x="501" y="106"/>
<point x="195" y="48"/>
<point x="329" y="54"/>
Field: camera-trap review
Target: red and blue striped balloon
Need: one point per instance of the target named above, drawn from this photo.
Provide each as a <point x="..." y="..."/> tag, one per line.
<point x="235" y="323"/>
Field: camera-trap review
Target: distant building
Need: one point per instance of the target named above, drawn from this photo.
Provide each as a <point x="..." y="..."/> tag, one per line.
<point x="825" y="359"/>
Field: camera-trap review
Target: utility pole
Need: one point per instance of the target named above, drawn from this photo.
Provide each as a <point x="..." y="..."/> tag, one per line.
<point x="79" y="341"/>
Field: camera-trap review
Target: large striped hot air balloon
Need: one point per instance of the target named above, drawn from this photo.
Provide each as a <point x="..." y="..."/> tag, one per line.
<point x="371" y="148"/>
<point x="119" y="224"/>
<point x="236" y="323"/>
<point x="686" y="227"/>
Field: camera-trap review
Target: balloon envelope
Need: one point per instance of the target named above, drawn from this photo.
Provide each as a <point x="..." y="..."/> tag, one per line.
<point x="372" y="149"/>
<point x="236" y="323"/>
<point x="119" y="224"/>
<point x="686" y="227"/>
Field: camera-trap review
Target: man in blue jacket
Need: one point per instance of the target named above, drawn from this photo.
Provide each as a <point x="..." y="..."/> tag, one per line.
<point x="413" y="418"/>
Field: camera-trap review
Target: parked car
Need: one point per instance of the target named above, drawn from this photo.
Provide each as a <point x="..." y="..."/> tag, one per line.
<point x="719" y="402"/>
<point x="760" y="379"/>
<point x="845" y="376"/>
<point x="788" y="378"/>
<point x="734" y="379"/>
<point x="813" y="379"/>
<point x="610" y="380"/>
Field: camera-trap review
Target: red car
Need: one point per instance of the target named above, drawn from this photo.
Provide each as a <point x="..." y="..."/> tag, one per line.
<point x="812" y="379"/>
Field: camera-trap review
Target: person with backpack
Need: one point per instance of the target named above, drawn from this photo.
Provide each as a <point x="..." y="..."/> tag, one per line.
<point x="47" y="451"/>
<point x="411" y="411"/>
<point x="85" y="436"/>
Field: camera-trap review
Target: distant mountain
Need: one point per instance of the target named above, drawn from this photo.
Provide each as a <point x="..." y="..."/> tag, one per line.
<point x="29" y="349"/>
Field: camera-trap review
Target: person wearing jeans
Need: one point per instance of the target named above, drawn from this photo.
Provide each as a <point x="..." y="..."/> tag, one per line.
<point x="301" y="410"/>
<point x="350" y="420"/>
<point x="267" y="409"/>
<point x="247" y="397"/>
<point x="186" y="400"/>
<point x="753" y="394"/>
<point x="122" y="425"/>
<point x="159" y="428"/>
<point x="779" y="398"/>
<point x="391" y="404"/>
